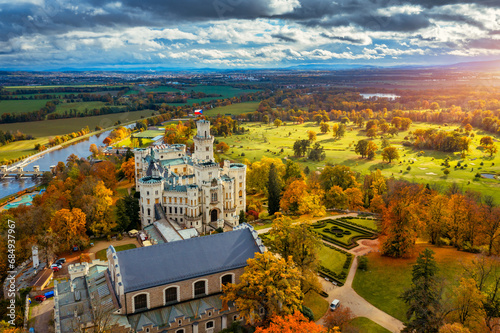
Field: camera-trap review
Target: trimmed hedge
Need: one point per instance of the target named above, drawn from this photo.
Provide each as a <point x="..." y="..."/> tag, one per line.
<point x="338" y="223"/>
<point x="344" y="219"/>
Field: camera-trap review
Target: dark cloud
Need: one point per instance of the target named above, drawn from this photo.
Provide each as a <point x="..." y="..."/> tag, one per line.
<point x="343" y="38"/>
<point x="284" y="38"/>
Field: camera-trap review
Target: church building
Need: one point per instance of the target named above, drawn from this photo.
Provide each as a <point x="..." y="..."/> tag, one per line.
<point x="189" y="191"/>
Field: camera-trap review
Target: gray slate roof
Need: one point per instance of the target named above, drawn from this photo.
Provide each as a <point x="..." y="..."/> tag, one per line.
<point x="157" y="265"/>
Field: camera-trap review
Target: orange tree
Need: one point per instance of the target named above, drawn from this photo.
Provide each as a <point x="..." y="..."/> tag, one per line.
<point x="293" y="324"/>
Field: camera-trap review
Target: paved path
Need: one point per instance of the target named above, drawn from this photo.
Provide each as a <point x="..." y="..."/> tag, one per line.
<point x="42" y="314"/>
<point x="358" y="305"/>
<point x="101" y="245"/>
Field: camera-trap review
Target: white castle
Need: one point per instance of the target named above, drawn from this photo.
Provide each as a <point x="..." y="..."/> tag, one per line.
<point x="189" y="191"/>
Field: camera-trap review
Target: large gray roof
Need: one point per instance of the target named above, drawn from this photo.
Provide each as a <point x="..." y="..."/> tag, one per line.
<point x="156" y="265"/>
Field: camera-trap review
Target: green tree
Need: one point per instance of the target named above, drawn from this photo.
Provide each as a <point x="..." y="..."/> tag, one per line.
<point x="424" y="296"/>
<point x="293" y="171"/>
<point x="300" y="147"/>
<point x="317" y="153"/>
<point x="361" y="147"/>
<point x="273" y="190"/>
<point x="127" y="213"/>
<point x="268" y="282"/>
<point x="340" y="131"/>
<point x="339" y="175"/>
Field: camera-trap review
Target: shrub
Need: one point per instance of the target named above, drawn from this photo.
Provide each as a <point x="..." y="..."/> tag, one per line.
<point x="408" y="168"/>
<point x="446" y="172"/>
<point x="307" y="312"/>
<point x="363" y="263"/>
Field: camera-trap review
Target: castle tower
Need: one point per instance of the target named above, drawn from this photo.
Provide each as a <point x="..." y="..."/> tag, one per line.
<point x="203" y="142"/>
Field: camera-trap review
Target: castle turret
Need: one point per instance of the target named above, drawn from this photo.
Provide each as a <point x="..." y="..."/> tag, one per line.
<point x="203" y="142"/>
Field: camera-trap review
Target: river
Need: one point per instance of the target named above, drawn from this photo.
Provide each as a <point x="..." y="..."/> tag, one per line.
<point x="12" y="185"/>
<point x="389" y="96"/>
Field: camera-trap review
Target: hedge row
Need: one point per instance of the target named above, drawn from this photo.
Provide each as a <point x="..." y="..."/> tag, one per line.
<point x="343" y="219"/>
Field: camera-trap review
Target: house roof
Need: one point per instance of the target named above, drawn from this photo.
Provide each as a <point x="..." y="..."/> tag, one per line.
<point x="161" y="264"/>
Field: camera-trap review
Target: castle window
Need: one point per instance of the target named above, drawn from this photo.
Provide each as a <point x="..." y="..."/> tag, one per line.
<point x="180" y="331"/>
<point x="207" y="148"/>
<point x="210" y="324"/>
<point x="175" y="209"/>
<point x="170" y="200"/>
<point x="180" y="210"/>
<point x="157" y="200"/>
<point x="156" y="192"/>
<point x="170" y="210"/>
<point x="175" y="200"/>
<point x="171" y="295"/>
<point x="148" y="201"/>
<point x="141" y="302"/>
<point x="147" y="193"/>
<point x="240" y="193"/>
<point x="208" y="157"/>
<point x="200" y="289"/>
<point x="142" y="209"/>
<point x="228" y="278"/>
<point x="149" y="212"/>
<point x="214" y="197"/>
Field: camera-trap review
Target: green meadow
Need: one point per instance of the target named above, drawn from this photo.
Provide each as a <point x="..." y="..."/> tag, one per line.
<point x="233" y="109"/>
<point x="20" y="106"/>
<point x="268" y="140"/>
<point x="65" y="126"/>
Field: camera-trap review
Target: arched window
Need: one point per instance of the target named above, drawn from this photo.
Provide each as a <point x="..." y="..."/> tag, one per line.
<point x="141" y="302"/>
<point x="171" y="295"/>
<point x="228" y="278"/>
<point x="199" y="289"/>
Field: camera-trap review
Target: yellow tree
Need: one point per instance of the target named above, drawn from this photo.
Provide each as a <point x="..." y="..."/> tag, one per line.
<point x="258" y="174"/>
<point x="128" y="169"/>
<point x="268" y="283"/>
<point x="354" y="198"/>
<point x="69" y="225"/>
<point x="336" y="198"/>
<point x="311" y="203"/>
<point x="94" y="150"/>
<point x="468" y="305"/>
<point x="311" y="135"/>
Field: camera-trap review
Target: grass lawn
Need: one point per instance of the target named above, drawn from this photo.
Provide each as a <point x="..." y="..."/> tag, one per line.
<point x="387" y="278"/>
<point x="370" y="223"/>
<point x="364" y="324"/>
<point x="80" y="106"/>
<point x="64" y="126"/>
<point x="19" y="106"/>
<point x="267" y="140"/>
<point x="149" y="133"/>
<point x="20" y="148"/>
<point x="332" y="259"/>
<point x="101" y="255"/>
<point x="316" y="303"/>
<point x="128" y="143"/>
<point x="237" y="108"/>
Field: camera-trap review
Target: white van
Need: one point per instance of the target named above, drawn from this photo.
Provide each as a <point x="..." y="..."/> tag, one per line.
<point x="335" y="304"/>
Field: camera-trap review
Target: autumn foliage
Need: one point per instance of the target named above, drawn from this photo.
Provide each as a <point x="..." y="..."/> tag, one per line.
<point x="294" y="323"/>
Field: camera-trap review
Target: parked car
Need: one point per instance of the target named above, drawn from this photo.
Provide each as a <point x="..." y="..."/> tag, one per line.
<point x="133" y="233"/>
<point x="55" y="268"/>
<point x="60" y="261"/>
<point x="49" y="294"/>
<point x="40" y="298"/>
<point x="334" y="305"/>
<point x="56" y="264"/>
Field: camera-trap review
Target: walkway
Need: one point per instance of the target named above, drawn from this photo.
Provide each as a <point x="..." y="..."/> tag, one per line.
<point x="358" y="305"/>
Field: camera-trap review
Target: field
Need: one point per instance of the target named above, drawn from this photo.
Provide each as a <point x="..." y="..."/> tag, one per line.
<point x="64" y="126"/>
<point x="80" y="106"/>
<point x="20" y="106"/>
<point x="387" y="278"/>
<point x="316" y="303"/>
<point x="234" y="109"/>
<point x="267" y="140"/>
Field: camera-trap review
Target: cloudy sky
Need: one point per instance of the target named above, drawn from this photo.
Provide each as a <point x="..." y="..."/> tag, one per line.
<point x="52" y="34"/>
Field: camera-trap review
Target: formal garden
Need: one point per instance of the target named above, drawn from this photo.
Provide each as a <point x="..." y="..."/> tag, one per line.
<point x="342" y="233"/>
